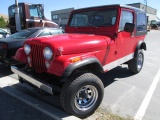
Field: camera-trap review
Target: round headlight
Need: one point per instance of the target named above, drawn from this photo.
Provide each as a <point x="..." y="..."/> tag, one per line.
<point x="27" y="49"/>
<point x="48" y="53"/>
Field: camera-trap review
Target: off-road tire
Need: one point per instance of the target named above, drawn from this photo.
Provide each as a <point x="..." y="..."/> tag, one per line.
<point x="73" y="86"/>
<point x="135" y="65"/>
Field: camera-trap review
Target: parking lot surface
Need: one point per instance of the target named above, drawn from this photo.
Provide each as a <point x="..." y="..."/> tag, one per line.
<point x="125" y="94"/>
<point x="12" y="108"/>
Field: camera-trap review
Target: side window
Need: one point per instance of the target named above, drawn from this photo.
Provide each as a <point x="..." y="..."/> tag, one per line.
<point x="141" y="22"/>
<point x="126" y="17"/>
<point x="44" y="33"/>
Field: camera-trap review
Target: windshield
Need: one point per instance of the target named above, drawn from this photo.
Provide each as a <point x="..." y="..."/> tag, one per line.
<point x="35" y="11"/>
<point x="23" y="34"/>
<point x="94" y="18"/>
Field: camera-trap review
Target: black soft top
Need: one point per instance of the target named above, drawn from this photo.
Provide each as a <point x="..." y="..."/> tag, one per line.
<point x="113" y="5"/>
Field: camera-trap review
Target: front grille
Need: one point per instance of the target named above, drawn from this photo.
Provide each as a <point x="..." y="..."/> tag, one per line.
<point x="38" y="61"/>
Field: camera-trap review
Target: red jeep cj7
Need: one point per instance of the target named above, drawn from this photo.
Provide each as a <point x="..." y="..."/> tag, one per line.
<point x="97" y="39"/>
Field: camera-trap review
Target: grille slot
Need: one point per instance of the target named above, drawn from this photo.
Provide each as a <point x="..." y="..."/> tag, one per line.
<point x="38" y="61"/>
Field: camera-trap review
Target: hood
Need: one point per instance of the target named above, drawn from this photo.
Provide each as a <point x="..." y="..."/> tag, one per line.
<point x="73" y="43"/>
<point x="10" y="40"/>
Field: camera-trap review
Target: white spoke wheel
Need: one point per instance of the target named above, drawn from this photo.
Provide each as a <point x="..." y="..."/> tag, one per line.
<point x="82" y="94"/>
<point x="86" y="97"/>
<point x="139" y="62"/>
<point x="135" y="65"/>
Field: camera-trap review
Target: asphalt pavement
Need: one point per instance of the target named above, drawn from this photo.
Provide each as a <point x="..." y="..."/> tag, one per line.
<point x="12" y="108"/>
<point x="125" y="94"/>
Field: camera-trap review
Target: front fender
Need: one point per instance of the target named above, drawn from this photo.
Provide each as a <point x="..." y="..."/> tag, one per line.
<point x="62" y="65"/>
<point x="20" y="55"/>
<point x="88" y="61"/>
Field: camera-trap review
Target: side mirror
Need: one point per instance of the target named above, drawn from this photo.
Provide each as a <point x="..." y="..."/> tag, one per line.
<point x="129" y="27"/>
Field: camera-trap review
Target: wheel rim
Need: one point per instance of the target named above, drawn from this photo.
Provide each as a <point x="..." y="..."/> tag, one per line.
<point x="139" y="61"/>
<point x="86" y="97"/>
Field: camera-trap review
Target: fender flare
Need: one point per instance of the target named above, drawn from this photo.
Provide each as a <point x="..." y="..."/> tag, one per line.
<point x="70" y="68"/>
<point x="141" y="45"/>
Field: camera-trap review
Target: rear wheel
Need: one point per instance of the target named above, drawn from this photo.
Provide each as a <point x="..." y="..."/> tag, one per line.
<point x="82" y="94"/>
<point x="135" y="65"/>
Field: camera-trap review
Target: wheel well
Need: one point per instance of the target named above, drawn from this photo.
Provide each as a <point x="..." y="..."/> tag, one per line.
<point x="140" y="45"/>
<point x="143" y="46"/>
<point x="90" y="64"/>
<point x="93" y="67"/>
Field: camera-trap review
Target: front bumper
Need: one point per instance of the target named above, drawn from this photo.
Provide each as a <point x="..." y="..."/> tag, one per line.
<point x="20" y="71"/>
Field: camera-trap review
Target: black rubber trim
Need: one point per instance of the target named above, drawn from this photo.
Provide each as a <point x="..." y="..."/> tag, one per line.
<point x="68" y="71"/>
<point x="141" y="45"/>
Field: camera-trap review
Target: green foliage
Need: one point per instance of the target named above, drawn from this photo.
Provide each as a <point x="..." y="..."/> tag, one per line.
<point x="3" y="23"/>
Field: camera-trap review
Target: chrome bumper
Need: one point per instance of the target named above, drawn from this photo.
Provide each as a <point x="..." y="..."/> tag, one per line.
<point x="38" y="83"/>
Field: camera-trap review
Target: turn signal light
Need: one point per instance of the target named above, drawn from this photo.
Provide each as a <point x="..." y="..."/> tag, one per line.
<point x="76" y="59"/>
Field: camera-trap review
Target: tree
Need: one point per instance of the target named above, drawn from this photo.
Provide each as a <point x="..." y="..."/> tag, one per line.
<point x="3" y="23"/>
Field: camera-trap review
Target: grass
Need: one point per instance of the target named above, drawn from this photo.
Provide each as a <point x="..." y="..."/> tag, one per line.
<point x="102" y="114"/>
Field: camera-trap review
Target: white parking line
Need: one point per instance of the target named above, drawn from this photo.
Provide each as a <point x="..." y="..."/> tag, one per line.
<point x="146" y="101"/>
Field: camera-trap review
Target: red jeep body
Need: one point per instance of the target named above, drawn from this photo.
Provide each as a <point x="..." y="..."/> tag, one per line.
<point x="97" y="39"/>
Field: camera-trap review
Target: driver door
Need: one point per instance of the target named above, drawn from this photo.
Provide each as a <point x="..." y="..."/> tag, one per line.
<point x="125" y="39"/>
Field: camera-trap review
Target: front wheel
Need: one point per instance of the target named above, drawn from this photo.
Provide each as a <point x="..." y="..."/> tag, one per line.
<point x="135" y="65"/>
<point x="82" y="94"/>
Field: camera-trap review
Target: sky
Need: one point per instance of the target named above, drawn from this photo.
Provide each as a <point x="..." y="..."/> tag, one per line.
<point x="51" y="5"/>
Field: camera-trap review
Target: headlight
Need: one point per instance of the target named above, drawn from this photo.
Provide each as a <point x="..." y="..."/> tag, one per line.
<point x="27" y="49"/>
<point x="48" y="53"/>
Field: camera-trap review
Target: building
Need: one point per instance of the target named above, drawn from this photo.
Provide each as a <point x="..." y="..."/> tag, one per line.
<point x="61" y="16"/>
<point x="151" y="12"/>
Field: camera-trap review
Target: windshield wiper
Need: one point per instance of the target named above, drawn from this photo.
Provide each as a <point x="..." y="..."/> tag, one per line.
<point x="92" y="25"/>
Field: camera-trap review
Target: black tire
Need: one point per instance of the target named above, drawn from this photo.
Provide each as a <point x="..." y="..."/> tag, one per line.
<point x="135" y="65"/>
<point x="21" y="80"/>
<point x="72" y="87"/>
